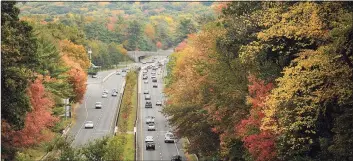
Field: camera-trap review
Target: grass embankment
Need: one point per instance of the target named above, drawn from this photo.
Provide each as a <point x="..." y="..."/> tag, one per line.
<point x="127" y="115"/>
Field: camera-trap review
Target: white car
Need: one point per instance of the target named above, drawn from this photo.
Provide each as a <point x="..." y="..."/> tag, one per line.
<point x="146" y="81"/>
<point x="105" y="91"/>
<point x="149" y="139"/>
<point x="151" y="127"/>
<point x="159" y="103"/>
<point x="104" y="95"/>
<point x="88" y="124"/>
<point x="94" y="76"/>
<point x="146" y="92"/>
<point x="99" y="105"/>
<point x="150" y="119"/>
<point x="118" y="73"/>
<point x="147" y="97"/>
<point x="169" y="137"/>
<point x="115" y="93"/>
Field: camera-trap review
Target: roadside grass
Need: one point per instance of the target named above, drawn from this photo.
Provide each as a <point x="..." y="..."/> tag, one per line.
<point x="132" y="116"/>
<point x="127" y="115"/>
<point x="128" y="105"/>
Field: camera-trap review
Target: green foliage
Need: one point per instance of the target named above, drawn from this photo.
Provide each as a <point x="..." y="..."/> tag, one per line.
<point x="18" y="60"/>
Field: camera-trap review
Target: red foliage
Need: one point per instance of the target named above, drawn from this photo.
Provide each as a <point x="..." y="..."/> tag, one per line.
<point x="38" y="119"/>
<point x="181" y="46"/>
<point x="261" y="146"/>
<point x="159" y="45"/>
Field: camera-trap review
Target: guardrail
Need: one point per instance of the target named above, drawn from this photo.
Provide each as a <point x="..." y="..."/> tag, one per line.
<point x="137" y="115"/>
<point x="117" y="111"/>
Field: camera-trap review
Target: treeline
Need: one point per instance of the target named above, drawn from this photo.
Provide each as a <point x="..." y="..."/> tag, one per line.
<point x="134" y="25"/>
<point x="39" y="67"/>
<point x="267" y="81"/>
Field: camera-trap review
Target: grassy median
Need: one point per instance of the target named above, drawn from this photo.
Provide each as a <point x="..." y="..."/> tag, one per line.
<point x="127" y="115"/>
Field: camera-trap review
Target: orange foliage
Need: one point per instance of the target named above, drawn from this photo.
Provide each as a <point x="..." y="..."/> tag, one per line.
<point x="103" y="3"/>
<point x="159" y="45"/>
<point x="38" y="120"/>
<point x="181" y="46"/>
<point x="149" y="31"/>
<point x="219" y="6"/>
<point x="110" y="26"/>
<point x="77" y="77"/>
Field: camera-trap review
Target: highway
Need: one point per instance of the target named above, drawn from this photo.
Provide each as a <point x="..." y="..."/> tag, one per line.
<point x="163" y="151"/>
<point x="103" y="119"/>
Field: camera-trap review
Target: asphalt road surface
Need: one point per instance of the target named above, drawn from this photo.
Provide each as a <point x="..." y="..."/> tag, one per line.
<point x="163" y="151"/>
<point x="103" y="119"/>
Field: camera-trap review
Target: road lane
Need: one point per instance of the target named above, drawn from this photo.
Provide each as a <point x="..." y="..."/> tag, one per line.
<point x="164" y="151"/>
<point x="102" y="118"/>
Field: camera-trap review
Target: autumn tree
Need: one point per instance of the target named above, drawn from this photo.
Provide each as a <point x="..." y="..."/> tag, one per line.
<point x="38" y="120"/>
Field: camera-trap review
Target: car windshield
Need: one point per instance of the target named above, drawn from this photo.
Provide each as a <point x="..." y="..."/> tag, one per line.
<point x="88" y="122"/>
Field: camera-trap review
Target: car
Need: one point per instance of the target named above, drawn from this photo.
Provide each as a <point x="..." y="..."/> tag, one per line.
<point x="115" y="93"/>
<point x="176" y="158"/>
<point x="149" y="139"/>
<point x="143" y="62"/>
<point x="169" y="137"/>
<point x="118" y="73"/>
<point x="123" y="75"/>
<point x="99" y="105"/>
<point x="94" y="76"/>
<point x="145" y="77"/>
<point x="150" y="145"/>
<point x="145" y="71"/>
<point x="105" y="91"/>
<point x="155" y="86"/>
<point x="153" y="72"/>
<point x="149" y="119"/>
<point x="104" y="95"/>
<point x="159" y="103"/>
<point x="124" y="70"/>
<point x="89" y="124"/>
<point x="147" y="97"/>
<point x="148" y="104"/>
<point x="146" y="92"/>
<point x="146" y="81"/>
<point x="154" y="80"/>
<point x="151" y="127"/>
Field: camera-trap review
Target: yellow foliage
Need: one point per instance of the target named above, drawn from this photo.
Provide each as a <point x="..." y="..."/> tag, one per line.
<point x="75" y="52"/>
<point x="301" y="21"/>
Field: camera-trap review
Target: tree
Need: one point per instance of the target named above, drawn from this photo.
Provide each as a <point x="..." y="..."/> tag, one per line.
<point x="115" y="148"/>
<point x="38" y="120"/>
<point x="18" y="60"/>
<point x="134" y="35"/>
<point x="95" y="150"/>
<point x="183" y="29"/>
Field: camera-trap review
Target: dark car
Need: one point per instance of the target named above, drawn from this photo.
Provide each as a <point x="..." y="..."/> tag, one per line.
<point x="150" y="145"/>
<point x="176" y="158"/>
<point x="154" y="80"/>
<point x="148" y="104"/>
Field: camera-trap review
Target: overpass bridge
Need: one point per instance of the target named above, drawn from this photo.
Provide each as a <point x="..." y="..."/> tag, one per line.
<point x="137" y="55"/>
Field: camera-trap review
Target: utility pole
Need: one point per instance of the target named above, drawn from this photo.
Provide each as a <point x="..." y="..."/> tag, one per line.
<point x="90" y="56"/>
